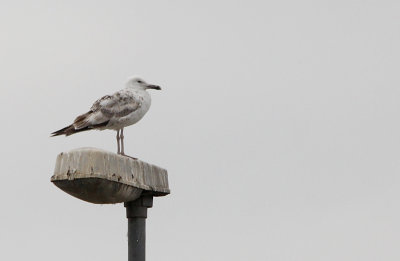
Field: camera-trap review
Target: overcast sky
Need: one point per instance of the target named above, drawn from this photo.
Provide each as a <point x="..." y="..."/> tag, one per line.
<point x="278" y="123"/>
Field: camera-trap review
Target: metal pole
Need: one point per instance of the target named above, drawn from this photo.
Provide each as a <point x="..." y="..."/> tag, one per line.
<point x="136" y="212"/>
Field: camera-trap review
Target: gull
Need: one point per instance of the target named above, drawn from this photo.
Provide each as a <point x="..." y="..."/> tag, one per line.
<point x="115" y="111"/>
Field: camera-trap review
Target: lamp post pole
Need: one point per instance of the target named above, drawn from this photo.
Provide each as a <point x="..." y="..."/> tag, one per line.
<point x="136" y="212"/>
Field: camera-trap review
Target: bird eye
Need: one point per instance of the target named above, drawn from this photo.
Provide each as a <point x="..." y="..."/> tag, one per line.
<point x="139" y="81"/>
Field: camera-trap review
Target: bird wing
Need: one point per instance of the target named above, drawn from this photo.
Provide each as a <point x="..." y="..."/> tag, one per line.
<point x="119" y="104"/>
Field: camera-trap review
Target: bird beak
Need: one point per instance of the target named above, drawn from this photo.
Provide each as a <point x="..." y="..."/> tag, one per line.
<point x="155" y="87"/>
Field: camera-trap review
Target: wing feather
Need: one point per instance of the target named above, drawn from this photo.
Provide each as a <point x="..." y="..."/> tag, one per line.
<point x="119" y="104"/>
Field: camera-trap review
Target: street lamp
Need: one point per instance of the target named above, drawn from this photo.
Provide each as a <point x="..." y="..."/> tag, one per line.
<point x="102" y="177"/>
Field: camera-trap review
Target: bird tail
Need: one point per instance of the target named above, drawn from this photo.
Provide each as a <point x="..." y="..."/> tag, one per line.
<point x="69" y="130"/>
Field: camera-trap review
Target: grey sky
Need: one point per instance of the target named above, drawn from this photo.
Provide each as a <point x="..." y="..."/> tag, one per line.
<point x="278" y="124"/>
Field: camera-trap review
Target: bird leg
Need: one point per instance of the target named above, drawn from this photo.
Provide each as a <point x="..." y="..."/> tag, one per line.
<point x="122" y="145"/>
<point x="118" y="138"/>
<point x="122" y="141"/>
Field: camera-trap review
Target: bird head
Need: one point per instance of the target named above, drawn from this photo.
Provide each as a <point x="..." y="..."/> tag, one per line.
<point x="139" y="83"/>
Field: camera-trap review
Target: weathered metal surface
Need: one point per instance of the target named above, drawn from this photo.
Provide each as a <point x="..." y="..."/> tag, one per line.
<point x="103" y="177"/>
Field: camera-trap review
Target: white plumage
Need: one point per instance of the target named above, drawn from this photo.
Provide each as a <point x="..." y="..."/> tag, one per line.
<point x="116" y="111"/>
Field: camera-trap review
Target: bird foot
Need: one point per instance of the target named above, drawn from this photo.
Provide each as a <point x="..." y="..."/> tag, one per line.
<point x="123" y="154"/>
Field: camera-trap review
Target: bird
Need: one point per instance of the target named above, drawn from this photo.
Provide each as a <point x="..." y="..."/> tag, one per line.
<point x="115" y="112"/>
